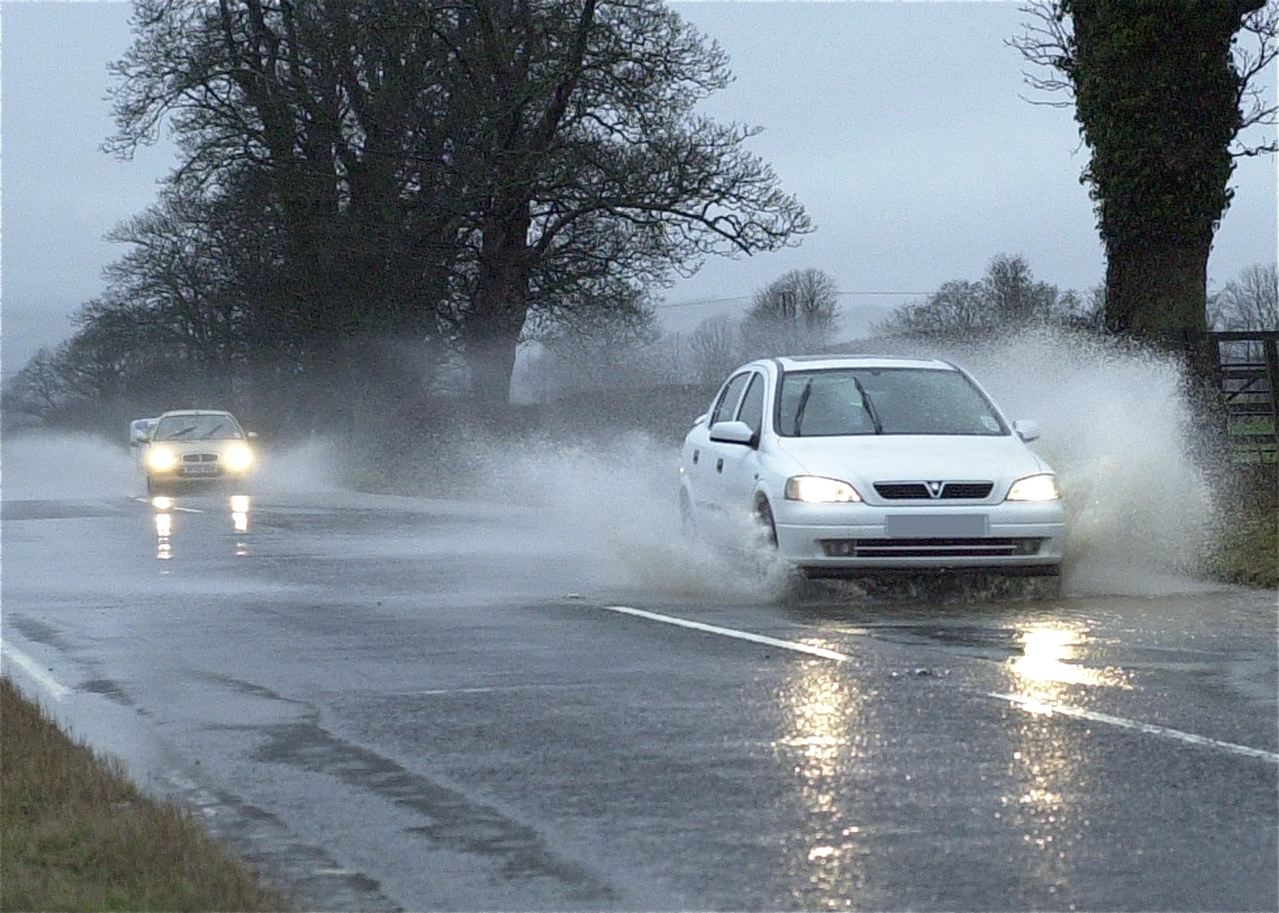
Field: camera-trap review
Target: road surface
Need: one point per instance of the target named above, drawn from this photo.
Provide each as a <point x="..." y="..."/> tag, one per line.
<point x="400" y="703"/>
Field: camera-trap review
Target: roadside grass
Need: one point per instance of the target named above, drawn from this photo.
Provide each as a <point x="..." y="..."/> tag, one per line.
<point x="1253" y="451"/>
<point x="1247" y="549"/>
<point x="75" y="834"/>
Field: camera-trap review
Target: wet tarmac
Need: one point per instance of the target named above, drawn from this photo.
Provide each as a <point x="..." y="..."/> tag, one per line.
<point x="393" y="703"/>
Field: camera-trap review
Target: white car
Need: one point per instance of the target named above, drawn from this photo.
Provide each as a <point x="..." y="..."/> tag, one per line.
<point x="196" y="445"/>
<point x="855" y="464"/>
<point x="139" y="430"/>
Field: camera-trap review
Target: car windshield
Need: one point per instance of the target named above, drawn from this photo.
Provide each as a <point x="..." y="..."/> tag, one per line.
<point x="197" y="428"/>
<point x="846" y="401"/>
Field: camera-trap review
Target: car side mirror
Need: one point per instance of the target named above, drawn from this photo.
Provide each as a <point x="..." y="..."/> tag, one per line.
<point x="701" y="419"/>
<point x="1026" y="430"/>
<point x="732" y="433"/>
<point x="252" y="435"/>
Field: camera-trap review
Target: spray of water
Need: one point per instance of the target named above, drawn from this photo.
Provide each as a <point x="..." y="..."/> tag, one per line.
<point x="1118" y="430"/>
<point x="616" y="504"/>
<point x="56" y="465"/>
<point x="51" y="465"/>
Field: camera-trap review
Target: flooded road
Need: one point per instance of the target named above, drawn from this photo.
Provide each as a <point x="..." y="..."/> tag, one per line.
<point x="400" y="703"/>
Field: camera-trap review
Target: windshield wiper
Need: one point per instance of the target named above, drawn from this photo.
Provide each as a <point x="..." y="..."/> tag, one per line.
<point x="868" y="405"/>
<point x="216" y="429"/>
<point x="184" y="431"/>
<point x="803" y="401"/>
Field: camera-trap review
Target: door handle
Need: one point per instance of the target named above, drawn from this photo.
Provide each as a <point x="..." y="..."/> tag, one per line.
<point x="696" y="454"/>
<point x="719" y="465"/>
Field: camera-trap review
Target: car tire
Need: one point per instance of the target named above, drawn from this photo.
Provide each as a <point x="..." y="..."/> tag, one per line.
<point x="151" y="486"/>
<point x="767" y="528"/>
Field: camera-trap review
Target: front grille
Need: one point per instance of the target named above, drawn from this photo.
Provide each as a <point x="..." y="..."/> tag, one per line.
<point x="199" y="457"/>
<point x="901" y="491"/>
<point x="929" y="548"/>
<point x="912" y="491"/>
<point x="966" y="489"/>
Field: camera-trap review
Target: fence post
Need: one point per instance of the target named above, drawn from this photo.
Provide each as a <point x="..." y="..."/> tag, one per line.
<point x="1270" y="345"/>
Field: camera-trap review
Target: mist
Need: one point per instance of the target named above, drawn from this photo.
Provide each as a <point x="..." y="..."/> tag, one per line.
<point x="597" y="473"/>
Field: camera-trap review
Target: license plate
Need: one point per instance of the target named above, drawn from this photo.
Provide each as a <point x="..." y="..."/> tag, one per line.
<point x="200" y="469"/>
<point x="935" y="526"/>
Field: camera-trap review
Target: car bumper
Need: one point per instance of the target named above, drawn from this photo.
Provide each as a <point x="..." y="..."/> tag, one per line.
<point x="843" y="539"/>
<point x="179" y="477"/>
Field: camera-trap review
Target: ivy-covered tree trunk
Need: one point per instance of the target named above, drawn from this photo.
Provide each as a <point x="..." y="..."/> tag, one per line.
<point x="1157" y="291"/>
<point x="1158" y="90"/>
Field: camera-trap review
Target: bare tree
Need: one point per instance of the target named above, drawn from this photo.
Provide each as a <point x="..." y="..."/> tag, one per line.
<point x="715" y="348"/>
<point x="795" y="313"/>
<point x="1007" y="295"/>
<point x="1250" y="302"/>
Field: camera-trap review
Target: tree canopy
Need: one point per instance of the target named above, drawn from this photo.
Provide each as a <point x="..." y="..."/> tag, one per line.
<point x="467" y="172"/>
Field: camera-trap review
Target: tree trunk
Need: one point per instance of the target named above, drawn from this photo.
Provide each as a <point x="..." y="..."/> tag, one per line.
<point x="1157" y="290"/>
<point x="493" y="326"/>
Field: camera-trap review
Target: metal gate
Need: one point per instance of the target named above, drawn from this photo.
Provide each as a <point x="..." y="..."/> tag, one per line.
<point x="1248" y="365"/>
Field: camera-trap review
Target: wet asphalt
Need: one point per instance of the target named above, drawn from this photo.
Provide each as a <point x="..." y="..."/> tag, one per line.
<point x="391" y="703"/>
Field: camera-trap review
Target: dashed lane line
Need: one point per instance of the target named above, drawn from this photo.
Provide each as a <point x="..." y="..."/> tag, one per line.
<point x="1033" y="705"/>
<point x="1030" y="705"/>
<point x="796" y="646"/>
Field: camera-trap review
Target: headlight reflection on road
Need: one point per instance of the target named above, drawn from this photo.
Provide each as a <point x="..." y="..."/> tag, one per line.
<point x="1048" y="762"/>
<point x="1050" y="661"/>
<point x="240" y="520"/>
<point x="824" y="719"/>
<point x="164" y="533"/>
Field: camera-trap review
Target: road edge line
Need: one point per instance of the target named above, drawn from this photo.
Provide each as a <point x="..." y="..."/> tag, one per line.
<point x="56" y="689"/>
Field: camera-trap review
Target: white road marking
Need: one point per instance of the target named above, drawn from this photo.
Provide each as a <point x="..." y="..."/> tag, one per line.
<point x="56" y="689"/>
<point x="1025" y="703"/>
<point x="488" y="689"/>
<point x="185" y="510"/>
<point x="731" y="632"/>
<point x="1032" y="705"/>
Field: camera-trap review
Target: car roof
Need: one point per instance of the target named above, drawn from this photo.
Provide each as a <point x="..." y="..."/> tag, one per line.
<point x="192" y="412"/>
<point x="822" y="362"/>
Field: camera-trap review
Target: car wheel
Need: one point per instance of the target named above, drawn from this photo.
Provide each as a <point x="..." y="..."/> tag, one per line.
<point x="767" y="528"/>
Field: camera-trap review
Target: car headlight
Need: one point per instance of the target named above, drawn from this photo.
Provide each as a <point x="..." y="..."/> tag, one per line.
<point x="815" y="489"/>
<point x="1035" y="488"/>
<point x="161" y="459"/>
<point x="238" y="457"/>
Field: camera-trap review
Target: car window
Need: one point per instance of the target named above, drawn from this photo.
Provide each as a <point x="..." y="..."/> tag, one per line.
<point x="883" y="401"/>
<point x="727" y="405"/>
<point x="752" y="410"/>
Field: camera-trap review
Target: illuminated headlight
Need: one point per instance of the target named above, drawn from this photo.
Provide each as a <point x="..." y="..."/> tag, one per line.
<point x="1035" y="488"/>
<point x="238" y="458"/>
<point x="161" y="459"/>
<point x="815" y="489"/>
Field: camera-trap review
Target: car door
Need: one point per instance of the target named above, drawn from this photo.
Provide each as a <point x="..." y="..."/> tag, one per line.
<point x="741" y="461"/>
<point x="708" y="456"/>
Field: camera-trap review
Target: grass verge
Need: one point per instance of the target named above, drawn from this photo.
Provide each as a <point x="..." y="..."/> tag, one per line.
<point x="75" y="834"/>
<point x="1247" y="549"/>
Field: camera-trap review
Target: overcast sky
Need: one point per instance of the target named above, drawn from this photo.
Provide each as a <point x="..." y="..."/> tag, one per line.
<point x="898" y="125"/>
